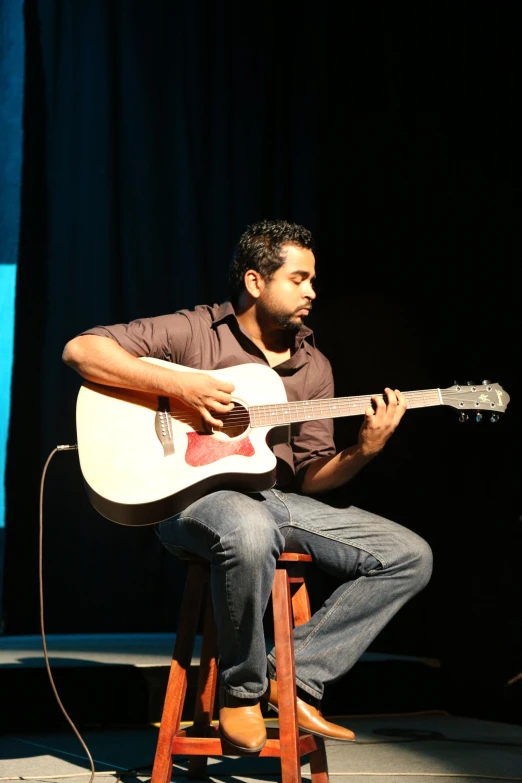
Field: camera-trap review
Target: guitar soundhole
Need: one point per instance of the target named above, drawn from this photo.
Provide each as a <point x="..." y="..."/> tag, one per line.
<point x="235" y="423"/>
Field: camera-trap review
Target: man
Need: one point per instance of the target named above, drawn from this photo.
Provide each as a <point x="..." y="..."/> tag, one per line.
<point x="379" y="564"/>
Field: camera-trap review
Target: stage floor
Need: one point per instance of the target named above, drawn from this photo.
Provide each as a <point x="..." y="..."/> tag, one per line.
<point x="112" y="687"/>
<point x="412" y="748"/>
<point x="134" y="649"/>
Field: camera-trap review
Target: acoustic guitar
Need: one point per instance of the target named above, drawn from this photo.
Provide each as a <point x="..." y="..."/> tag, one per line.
<point x="144" y="458"/>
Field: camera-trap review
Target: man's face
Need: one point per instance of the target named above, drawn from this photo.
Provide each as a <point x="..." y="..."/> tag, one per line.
<point x="287" y="298"/>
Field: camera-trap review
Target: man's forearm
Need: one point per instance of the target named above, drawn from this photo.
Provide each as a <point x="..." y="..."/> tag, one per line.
<point x="327" y="473"/>
<point x="102" y="360"/>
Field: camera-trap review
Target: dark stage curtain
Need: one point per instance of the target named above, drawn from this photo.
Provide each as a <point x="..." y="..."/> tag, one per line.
<point x="154" y="133"/>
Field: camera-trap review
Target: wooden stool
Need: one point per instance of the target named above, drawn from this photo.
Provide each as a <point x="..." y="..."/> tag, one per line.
<point x="291" y="606"/>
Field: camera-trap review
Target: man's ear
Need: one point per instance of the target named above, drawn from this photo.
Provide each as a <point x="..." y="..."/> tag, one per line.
<point x="254" y="283"/>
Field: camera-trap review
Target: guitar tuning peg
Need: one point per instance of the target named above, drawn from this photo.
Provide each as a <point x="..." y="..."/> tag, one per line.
<point x="455" y="383"/>
<point x="486" y="383"/>
<point x="478" y="417"/>
<point x="494" y="417"/>
<point x="470" y="383"/>
<point x="463" y="417"/>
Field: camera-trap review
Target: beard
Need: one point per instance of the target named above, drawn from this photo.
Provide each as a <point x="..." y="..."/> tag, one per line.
<point x="287" y="322"/>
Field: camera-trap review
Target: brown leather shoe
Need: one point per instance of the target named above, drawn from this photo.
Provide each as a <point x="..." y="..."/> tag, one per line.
<point x="241" y="723"/>
<point x="309" y="718"/>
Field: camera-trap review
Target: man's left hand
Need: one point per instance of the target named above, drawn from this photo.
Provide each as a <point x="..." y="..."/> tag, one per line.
<point x="381" y="420"/>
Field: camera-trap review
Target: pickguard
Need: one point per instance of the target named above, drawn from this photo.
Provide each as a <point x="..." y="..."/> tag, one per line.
<point x="204" y="449"/>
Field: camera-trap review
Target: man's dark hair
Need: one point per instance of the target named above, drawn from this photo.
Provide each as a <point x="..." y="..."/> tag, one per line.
<point x="260" y="248"/>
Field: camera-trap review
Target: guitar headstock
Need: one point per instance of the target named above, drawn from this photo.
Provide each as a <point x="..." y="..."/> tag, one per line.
<point x="485" y="396"/>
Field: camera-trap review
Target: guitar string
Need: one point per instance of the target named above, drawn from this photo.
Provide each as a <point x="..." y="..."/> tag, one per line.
<point x="244" y="416"/>
<point x="415" y="398"/>
<point x="342" y="403"/>
<point x="294" y="407"/>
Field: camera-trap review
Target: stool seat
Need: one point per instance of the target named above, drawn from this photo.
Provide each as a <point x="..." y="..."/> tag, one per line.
<point x="290" y="607"/>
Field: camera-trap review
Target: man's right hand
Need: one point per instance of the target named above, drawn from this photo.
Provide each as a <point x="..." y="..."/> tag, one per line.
<point x="102" y="360"/>
<point x="205" y="394"/>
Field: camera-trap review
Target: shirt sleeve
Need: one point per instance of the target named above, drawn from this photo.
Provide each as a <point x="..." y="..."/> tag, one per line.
<point x="164" y="337"/>
<point x="315" y="438"/>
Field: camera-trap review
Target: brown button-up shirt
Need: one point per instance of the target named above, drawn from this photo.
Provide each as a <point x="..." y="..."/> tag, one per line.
<point x="211" y="338"/>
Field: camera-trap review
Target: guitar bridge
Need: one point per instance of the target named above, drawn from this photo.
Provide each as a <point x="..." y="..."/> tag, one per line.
<point x="163" y="426"/>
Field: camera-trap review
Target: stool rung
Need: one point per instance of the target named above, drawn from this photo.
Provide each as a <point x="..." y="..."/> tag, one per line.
<point x="213" y="745"/>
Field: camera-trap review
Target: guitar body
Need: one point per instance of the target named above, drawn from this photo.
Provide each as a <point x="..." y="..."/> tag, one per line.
<point x="134" y="475"/>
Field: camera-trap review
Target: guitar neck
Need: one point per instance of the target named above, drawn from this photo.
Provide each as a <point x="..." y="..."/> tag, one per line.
<point x="335" y="407"/>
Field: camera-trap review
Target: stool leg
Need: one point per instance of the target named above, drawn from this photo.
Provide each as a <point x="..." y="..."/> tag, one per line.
<point x="197" y="576"/>
<point x="283" y="638"/>
<point x="319" y="762"/>
<point x="300" y="603"/>
<point x="206" y="690"/>
<point x="302" y="613"/>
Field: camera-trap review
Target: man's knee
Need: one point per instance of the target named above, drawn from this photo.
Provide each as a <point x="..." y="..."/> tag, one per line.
<point x="254" y="541"/>
<point x="417" y="558"/>
<point x="250" y="534"/>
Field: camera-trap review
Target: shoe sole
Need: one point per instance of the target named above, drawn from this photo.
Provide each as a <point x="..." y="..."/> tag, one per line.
<point x="315" y="733"/>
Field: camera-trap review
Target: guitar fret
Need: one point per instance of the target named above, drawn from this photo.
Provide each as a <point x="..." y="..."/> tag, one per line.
<point x="329" y="408"/>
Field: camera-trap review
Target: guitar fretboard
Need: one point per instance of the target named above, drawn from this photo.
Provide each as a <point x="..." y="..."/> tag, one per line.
<point x="304" y="410"/>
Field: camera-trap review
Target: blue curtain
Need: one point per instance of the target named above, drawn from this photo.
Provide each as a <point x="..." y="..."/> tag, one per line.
<point x="11" y="94"/>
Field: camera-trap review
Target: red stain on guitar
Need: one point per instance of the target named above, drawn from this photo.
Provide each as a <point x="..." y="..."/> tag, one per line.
<point x="203" y="449"/>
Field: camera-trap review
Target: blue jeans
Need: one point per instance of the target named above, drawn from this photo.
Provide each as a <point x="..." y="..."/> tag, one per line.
<point x="380" y="566"/>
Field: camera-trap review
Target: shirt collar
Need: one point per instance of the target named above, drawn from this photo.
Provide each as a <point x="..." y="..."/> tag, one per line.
<point x="227" y="310"/>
